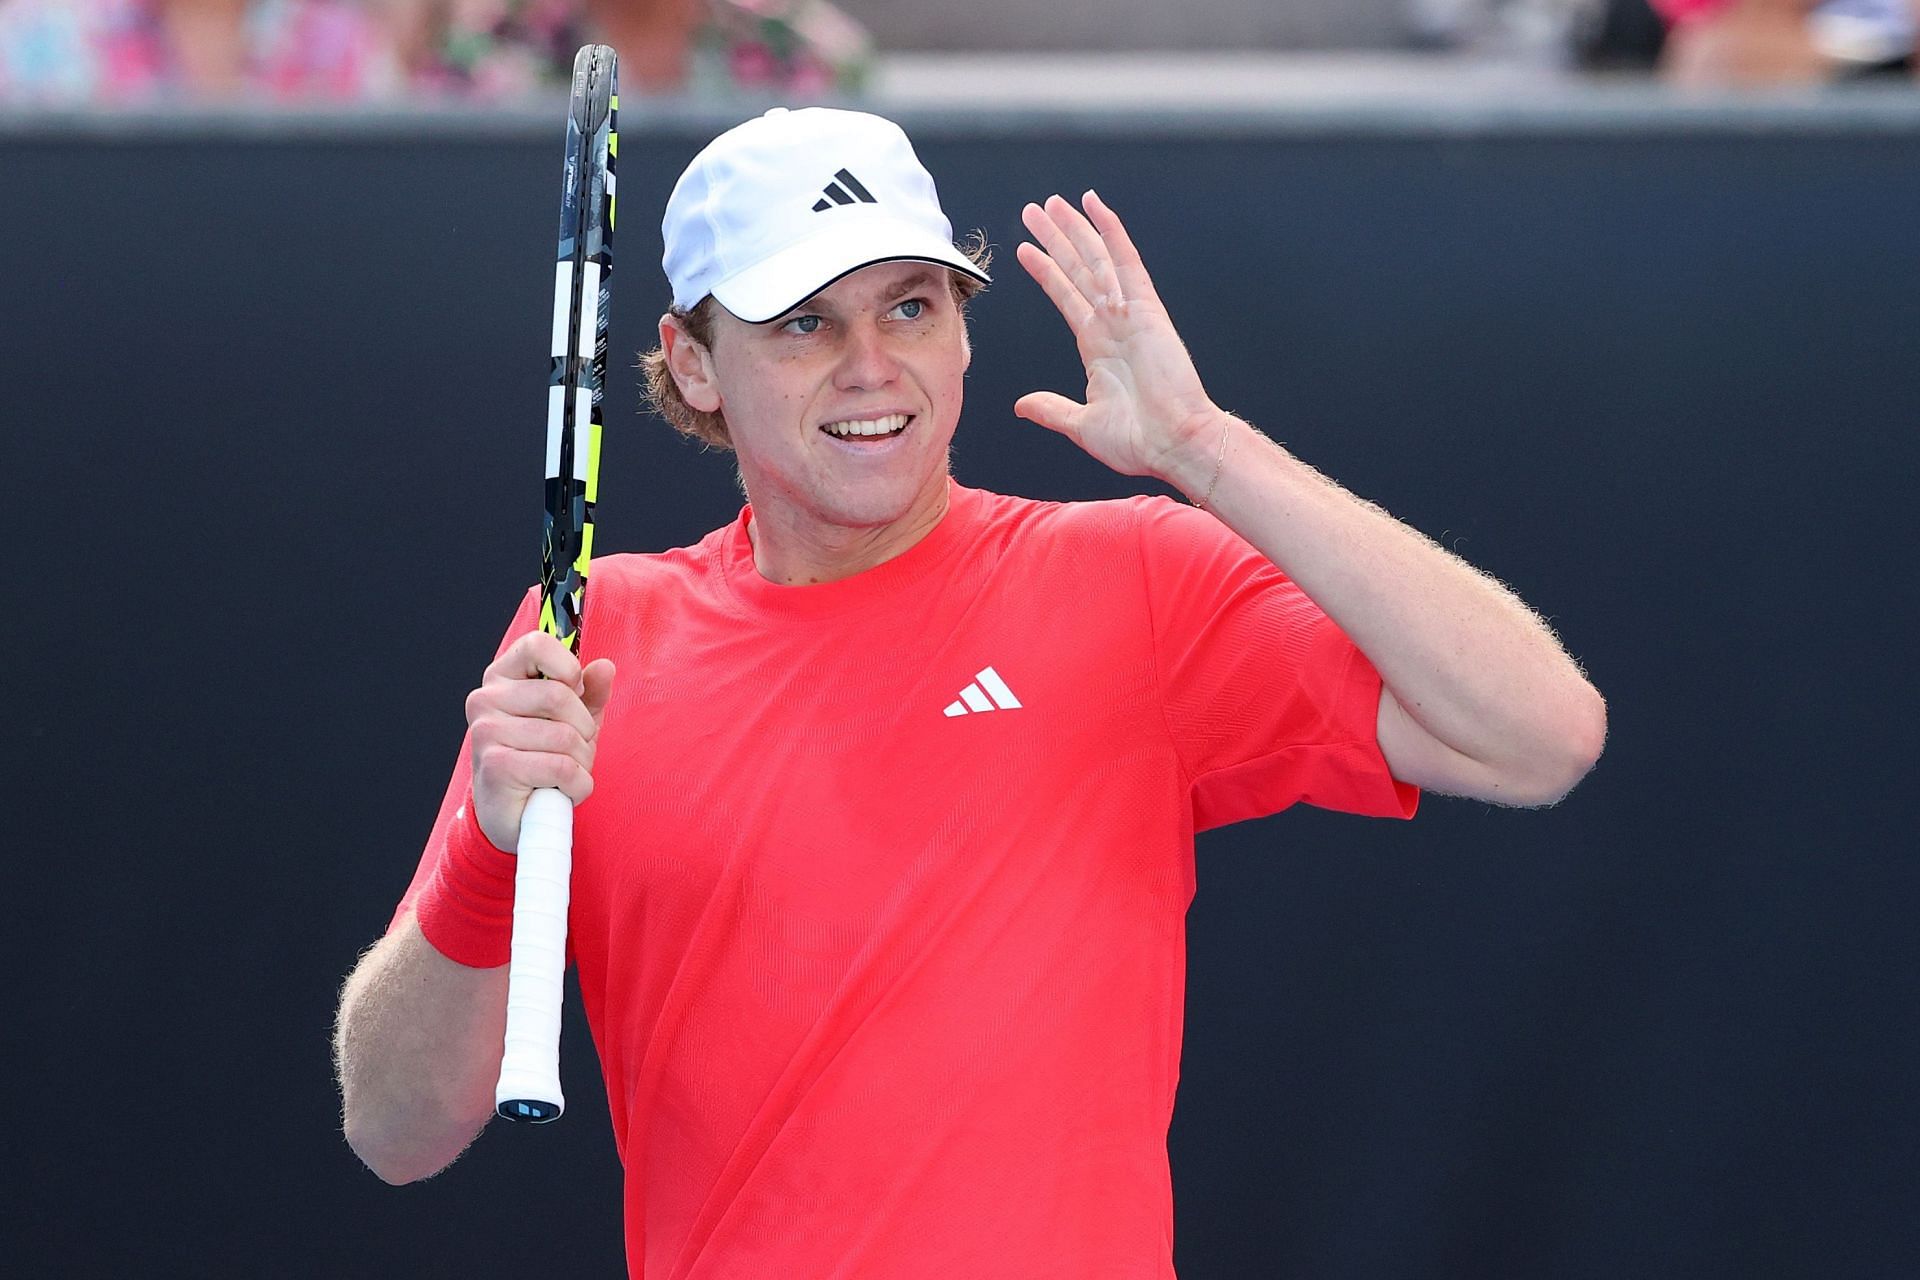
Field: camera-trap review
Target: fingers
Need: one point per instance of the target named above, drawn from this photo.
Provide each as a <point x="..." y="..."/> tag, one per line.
<point x="1135" y="283"/>
<point x="598" y="682"/>
<point x="536" y="654"/>
<point x="1046" y="272"/>
<point x="512" y="686"/>
<point x="503" y="778"/>
<point x="1081" y="262"/>
<point x="1052" y="411"/>
<point x="513" y="757"/>
<point x="544" y="700"/>
<point x="528" y="732"/>
<point x="1098" y="278"/>
<point x="530" y="718"/>
<point x="1092" y="249"/>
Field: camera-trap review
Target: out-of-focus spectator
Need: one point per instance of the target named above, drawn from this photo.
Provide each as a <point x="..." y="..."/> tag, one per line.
<point x="653" y="37"/>
<point x="1740" y="44"/>
<point x="798" y="48"/>
<point x="1762" y="43"/>
<point x="1620" y="36"/>
<point x="490" y="49"/>
<point x="130" y="52"/>
<point x="124" y="52"/>
<point x="1867" y="34"/>
<point x="1695" y="43"/>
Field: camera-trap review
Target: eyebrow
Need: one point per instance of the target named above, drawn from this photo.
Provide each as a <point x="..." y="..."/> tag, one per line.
<point x="925" y="278"/>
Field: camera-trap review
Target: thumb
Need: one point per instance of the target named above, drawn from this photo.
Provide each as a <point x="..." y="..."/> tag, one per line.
<point x="1052" y="411"/>
<point x="597" y="678"/>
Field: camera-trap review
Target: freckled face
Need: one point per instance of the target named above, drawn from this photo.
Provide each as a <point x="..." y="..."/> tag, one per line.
<point x="841" y="410"/>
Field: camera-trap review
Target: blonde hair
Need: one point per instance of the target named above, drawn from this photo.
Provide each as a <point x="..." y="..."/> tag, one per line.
<point x="663" y="393"/>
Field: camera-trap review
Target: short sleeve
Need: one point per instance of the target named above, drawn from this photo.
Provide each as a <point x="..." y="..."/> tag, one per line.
<point x="1267" y="701"/>
<point x="462" y="890"/>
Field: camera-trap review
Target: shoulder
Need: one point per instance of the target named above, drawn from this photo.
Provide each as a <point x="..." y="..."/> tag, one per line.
<point x="1148" y="534"/>
<point x="633" y="598"/>
<point x="1115" y="524"/>
<point x="643" y="570"/>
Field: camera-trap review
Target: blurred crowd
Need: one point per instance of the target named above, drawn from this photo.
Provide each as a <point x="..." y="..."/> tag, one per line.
<point x="1785" y="42"/>
<point x="1692" y="43"/>
<point x="130" y="52"/>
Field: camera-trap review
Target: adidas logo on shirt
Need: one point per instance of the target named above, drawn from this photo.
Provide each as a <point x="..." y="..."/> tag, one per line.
<point x="845" y="189"/>
<point x="975" y="697"/>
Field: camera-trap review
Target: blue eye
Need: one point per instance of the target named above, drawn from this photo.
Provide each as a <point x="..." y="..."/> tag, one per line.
<point x="912" y="308"/>
<point x="803" y="324"/>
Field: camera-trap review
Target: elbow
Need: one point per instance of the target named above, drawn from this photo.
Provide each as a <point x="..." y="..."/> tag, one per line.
<point x="1584" y="735"/>
<point x="1569" y="749"/>
<point x="394" y="1157"/>
<point x="388" y="1164"/>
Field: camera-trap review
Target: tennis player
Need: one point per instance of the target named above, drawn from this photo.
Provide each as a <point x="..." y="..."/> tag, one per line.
<point x="886" y="837"/>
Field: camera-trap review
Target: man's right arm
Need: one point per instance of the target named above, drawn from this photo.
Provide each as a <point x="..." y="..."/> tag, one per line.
<point x="417" y="1048"/>
<point x="418" y="1038"/>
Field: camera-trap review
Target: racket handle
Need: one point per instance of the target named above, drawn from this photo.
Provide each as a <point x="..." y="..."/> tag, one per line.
<point x="529" y="1087"/>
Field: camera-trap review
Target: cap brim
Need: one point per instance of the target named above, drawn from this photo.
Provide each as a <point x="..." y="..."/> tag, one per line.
<point x="776" y="285"/>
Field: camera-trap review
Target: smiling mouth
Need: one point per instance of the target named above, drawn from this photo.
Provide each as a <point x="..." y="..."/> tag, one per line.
<point x="881" y="428"/>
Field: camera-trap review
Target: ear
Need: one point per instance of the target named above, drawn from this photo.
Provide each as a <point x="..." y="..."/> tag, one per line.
<point x="690" y="364"/>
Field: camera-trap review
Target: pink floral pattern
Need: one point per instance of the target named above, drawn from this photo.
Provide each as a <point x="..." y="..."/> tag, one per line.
<point x="116" y="52"/>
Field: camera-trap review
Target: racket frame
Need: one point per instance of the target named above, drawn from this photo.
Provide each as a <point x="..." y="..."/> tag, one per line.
<point x="529" y="1083"/>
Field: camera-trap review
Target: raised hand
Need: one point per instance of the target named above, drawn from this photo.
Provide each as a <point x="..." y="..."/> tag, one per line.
<point x="1145" y="410"/>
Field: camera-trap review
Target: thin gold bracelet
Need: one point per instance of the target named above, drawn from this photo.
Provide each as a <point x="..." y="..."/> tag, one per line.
<point x="1206" y="503"/>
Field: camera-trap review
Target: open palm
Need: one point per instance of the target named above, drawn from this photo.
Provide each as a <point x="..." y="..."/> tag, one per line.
<point x="1144" y="404"/>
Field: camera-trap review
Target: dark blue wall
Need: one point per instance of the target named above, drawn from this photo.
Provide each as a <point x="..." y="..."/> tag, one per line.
<point x="272" y="420"/>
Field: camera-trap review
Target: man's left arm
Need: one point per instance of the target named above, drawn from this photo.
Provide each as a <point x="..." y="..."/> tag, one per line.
<point x="1479" y="698"/>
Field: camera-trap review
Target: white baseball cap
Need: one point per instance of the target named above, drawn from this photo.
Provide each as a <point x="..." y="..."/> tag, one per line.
<point x="774" y="210"/>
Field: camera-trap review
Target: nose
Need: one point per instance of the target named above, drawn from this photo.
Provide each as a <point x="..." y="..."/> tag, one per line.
<point x="866" y="360"/>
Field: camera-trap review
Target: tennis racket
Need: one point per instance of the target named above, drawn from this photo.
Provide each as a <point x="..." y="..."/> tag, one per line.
<point x="529" y="1087"/>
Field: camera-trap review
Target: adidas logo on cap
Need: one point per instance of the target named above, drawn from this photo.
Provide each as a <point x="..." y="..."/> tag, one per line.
<point x="845" y="189"/>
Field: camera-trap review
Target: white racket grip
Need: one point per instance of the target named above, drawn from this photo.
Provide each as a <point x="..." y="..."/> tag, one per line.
<point x="529" y="1087"/>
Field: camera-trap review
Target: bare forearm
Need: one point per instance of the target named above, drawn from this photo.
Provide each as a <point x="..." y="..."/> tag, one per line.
<point x="1479" y="697"/>
<point x="417" y="1048"/>
<point x="1469" y="663"/>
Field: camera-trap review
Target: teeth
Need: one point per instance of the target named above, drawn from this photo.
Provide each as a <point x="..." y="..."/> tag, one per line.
<point x="867" y="426"/>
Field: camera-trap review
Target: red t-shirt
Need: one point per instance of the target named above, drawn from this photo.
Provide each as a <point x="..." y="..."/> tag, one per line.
<point x="879" y="903"/>
<point x="1677" y="12"/>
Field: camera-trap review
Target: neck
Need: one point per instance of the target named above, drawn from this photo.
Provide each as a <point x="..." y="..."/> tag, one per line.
<point x="796" y="552"/>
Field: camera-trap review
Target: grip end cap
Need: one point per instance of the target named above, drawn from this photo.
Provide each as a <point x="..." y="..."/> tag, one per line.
<point x="528" y="1110"/>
